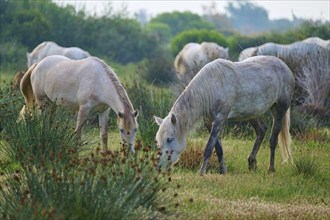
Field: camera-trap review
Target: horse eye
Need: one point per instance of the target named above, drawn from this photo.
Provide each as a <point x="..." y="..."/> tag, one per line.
<point x="169" y="140"/>
<point x="121" y="130"/>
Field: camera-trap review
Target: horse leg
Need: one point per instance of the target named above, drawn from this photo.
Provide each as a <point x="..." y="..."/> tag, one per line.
<point x="278" y="115"/>
<point x="81" y="119"/>
<point x="260" y="129"/>
<point x="103" y="123"/>
<point x="215" y="132"/>
<point x="218" y="149"/>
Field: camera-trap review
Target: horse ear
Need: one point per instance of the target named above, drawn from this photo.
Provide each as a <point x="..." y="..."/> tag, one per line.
<point x="120" y="114"/>
<point x="173" y="119"/>
<point x="136" y="113"/>
<point x="158" y="120"/>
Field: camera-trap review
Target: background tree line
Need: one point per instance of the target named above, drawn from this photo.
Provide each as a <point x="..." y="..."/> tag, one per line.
<point x="122" y="39"/>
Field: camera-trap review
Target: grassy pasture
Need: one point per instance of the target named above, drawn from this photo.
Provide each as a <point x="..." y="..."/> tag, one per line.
<point x="299" y="191"/>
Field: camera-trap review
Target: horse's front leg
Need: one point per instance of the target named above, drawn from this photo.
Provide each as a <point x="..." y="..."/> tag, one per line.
<point x="260" y="129"/>
<point x="214" y="137"/>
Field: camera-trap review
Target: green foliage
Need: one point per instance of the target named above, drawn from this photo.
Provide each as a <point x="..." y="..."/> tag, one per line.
<point x="150" y="102"/>
<point x="40" y="138"/>
<point x="12" y="55"/>
<point x="104" y="185"/>
<point x="305" y="166"/>
<point x="181" y="21"/>
<point x="196" y="36"/>
<point x="159" y="69"/>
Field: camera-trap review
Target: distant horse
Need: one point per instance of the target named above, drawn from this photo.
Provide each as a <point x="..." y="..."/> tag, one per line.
<point x="300" y="56"/>
<point x="48" y="48"/>
<point x="194" y="56"/>
<point x="88" y="86"/>
<point x="318" y="41"/>
<point x="246" y="53"/>
<point x="230" y="90"/>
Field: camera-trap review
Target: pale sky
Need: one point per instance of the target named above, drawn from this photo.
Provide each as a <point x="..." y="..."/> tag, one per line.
<point x="306" y="9"/>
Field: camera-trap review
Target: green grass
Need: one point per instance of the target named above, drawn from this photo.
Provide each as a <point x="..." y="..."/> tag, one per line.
<point x="241" y="194"/>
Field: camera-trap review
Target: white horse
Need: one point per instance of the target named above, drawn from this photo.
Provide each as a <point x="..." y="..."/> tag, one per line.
<point x="318" y="41"/>
<point x="194" y="56"/>
<point x="246" y="53"/>
<point x="230" y="90"/>
<point x="48" y="48"/>
<point x="88" y="86"/>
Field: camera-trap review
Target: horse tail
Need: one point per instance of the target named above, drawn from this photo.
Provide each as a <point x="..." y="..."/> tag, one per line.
<point x="177" y="61"/>
<point x="26" y="88"/>
<point x="285" y="138"/>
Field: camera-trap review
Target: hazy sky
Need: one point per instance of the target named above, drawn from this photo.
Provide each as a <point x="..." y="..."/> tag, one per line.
<point x="307" y="9"/>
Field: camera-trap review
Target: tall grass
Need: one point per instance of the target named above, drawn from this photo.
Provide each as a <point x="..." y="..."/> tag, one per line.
<point x="40" y="137"/>
<point x="103" y="185"/>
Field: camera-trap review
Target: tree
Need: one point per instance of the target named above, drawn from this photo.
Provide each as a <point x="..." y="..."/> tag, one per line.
<point x="181" y="21"/>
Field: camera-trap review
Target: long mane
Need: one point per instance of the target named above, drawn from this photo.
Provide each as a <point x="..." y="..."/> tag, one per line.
<point x="128" y="107"/>
<point x="198" y="98"/>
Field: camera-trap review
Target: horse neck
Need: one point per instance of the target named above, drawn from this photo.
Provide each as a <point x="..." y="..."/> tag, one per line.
<point x="122" y="102"/>
<point x="189" y="108"/>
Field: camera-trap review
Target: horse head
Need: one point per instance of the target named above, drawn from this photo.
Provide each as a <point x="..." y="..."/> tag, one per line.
<point x="170" y="143"/>
<point x="128" y="127"/>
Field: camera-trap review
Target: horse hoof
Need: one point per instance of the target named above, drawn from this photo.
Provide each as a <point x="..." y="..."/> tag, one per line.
<point x="223" y="171"/>
<point x="271" y="171"/>
<point x="252" y="164"/>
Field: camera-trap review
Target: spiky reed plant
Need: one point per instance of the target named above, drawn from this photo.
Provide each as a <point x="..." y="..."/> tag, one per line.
<point x="40" y="137"/>
<point x="103" y="185"/>
<point x="306" y="166"/>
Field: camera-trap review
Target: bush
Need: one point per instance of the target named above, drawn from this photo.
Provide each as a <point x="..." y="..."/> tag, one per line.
<point x="159" y="69"/>
<point x="196" y="36"/>
<point x="104" y="185"/>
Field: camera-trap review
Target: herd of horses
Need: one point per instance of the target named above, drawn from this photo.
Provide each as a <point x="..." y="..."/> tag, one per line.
<point x="217" y="90"/>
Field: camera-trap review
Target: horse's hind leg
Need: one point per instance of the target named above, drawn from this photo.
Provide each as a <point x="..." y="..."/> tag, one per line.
<point x="81" y="119"/>
<point x="278" y="113"/>
<point x="260" y="129"/>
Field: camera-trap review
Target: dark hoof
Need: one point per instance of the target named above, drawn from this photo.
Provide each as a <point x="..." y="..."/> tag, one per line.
<point x="223" y="170"/>
<point x="271" y="171"/>
<point x="252" y="164"/>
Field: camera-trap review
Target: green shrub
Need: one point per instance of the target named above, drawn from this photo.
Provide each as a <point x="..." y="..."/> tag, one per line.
<point x="196" y="36"/>
<point x="104" y="185"/>
<point x="158" y="70"/>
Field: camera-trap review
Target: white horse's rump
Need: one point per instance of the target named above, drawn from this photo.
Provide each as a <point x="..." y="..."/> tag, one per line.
<point x="48" y="48"/>
<point x="88" y="86"/>
<point x="225" y="90"/>
<point x="246" y="53"/>
<point x="194" y="56"/>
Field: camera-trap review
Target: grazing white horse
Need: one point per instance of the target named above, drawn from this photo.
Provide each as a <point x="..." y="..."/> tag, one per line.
<point x="194" y="56"/>
<point x="48" y="48"/>
<point x="318" y="41"/>
<point x="246" y="53"/>
<point x="88" y="86"/>
<point x="230" y="90"/>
